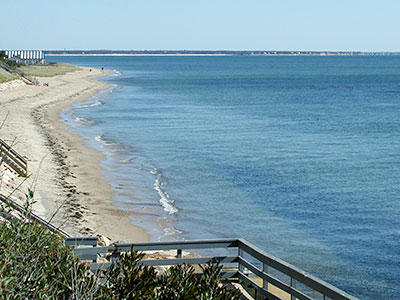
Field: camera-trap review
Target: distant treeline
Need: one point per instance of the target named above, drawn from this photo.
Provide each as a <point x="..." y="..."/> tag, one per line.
<point x="212" y="52"/>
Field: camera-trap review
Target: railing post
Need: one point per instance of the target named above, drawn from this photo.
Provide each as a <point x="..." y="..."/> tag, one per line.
<point x="265" y="283"/>
<point x="115" y="256"/>
<point x="178" y="253"/>
<point x="240" y="254"/>
<point x="292" y="284"/>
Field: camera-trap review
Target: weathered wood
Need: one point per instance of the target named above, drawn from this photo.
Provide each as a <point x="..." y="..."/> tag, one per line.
<point x="293" y="272"/>
<point x="82" y="241"/>
<point x="13" y="159"/>
<point x="33" y="217"/>
<point x="174" y="245"/>
<point x="192" y="261"/>
<point x="243" y="247"/>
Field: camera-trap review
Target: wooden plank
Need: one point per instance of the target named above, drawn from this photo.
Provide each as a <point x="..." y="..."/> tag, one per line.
<point x="228" y="274"/>
<point x="94" y="250"/>
<point x="92" y="257"/>
<point x="79" y="241"/>
<point x="10" y="149"/>
<point x="11" y="163"/>
<point x="192" y="261"/>
<point x="174" y="245"/>
<point x="13" y="159"/>
<point x="95" y="267"/>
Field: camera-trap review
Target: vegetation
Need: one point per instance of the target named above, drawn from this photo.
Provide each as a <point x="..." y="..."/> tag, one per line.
<point x="7" y="76"/>
<point x="36" y="264"/>
<point x="131" y="280"/>
<point x="11" y="63"/>
<point x="47" y="70"/>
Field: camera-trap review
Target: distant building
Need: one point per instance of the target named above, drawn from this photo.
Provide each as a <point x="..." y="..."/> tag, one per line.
<point x="27" y="57"/>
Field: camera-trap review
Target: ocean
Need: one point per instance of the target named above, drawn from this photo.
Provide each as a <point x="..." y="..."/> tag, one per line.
<point x="298" y="155"/>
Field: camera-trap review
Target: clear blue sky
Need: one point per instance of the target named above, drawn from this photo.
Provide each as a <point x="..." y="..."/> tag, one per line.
<point x="351" y="25"/>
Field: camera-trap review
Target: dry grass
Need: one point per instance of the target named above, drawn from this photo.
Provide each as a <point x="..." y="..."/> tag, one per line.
<point x="48" y="70"/>
<point x="6" y="76"/>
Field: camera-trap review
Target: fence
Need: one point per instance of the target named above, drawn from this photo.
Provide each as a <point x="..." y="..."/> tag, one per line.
<point x="33" y="217"/>
<point x="265" y="276"/>
<point x="13" y="159"/>
<point x="261" y="274"/>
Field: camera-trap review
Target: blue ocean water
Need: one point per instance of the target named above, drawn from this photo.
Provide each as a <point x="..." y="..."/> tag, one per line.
<point x="299" y="155"/>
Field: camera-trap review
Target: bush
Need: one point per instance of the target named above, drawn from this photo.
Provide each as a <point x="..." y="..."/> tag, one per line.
<point x="10" y="63"/>
<point x="36" y="264"/>
<point x="181" y="283"/>
<point x="128" y="279"/>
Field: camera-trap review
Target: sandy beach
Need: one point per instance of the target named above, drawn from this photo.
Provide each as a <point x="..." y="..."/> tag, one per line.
<point x="66" y="175"/>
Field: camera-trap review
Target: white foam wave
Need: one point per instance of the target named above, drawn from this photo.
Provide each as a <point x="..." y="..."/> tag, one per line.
<point x="116" y="73"/>
<point x="128" y="160"/>
<point x="96" y="103"/>
<point x="171" y="231"/>
<point x="82" y="120"/>
<point x="104" y="141"/>
<point x="166" y="202"/>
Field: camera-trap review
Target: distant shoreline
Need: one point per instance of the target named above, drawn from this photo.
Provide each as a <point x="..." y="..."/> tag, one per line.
<point x="121" y="54"/>
<point x="212" y="53"/>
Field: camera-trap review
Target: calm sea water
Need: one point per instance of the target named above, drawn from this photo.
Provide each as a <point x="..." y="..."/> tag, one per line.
<point x="299" y="155"/>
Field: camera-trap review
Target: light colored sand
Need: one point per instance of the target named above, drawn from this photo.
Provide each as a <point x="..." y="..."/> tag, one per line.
<point x="11" y="84"/>
<point x="65" y="172"/>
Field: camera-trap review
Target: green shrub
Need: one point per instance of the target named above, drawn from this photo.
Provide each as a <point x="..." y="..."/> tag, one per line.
<point x="36" y="264"/>
<point x="10" y="63"/>
<point x="181" y="283"/>
<point x="127" y="279"/>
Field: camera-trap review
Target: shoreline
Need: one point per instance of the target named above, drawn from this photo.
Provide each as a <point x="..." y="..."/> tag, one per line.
<point x="65" y="171"/>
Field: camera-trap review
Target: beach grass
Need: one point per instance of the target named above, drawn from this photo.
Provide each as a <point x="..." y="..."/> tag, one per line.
<point x="48" y="70"/>
<point x="7" y="76"/>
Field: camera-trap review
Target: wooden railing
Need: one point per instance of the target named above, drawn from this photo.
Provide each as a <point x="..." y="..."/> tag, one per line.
<point x="32" y="216"/>
<point x="263" y="275"/>
<point x="13" y="159"/>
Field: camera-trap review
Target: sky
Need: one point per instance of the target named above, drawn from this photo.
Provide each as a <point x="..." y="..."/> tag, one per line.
<point x="307" y="25"/>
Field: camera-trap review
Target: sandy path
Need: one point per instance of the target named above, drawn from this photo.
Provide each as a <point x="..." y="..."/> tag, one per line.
<point x="65" y="172"/>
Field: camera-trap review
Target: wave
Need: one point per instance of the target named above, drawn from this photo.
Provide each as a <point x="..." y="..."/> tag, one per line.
<point x="166" y="202"/>
<point x="105" y="141"/>
<point x="116" y="73"/>
<point x="81" y="120"/>
<point x="92" y="104"/>
<point x="128" y="160"/>
<point x="171" y="231"/>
